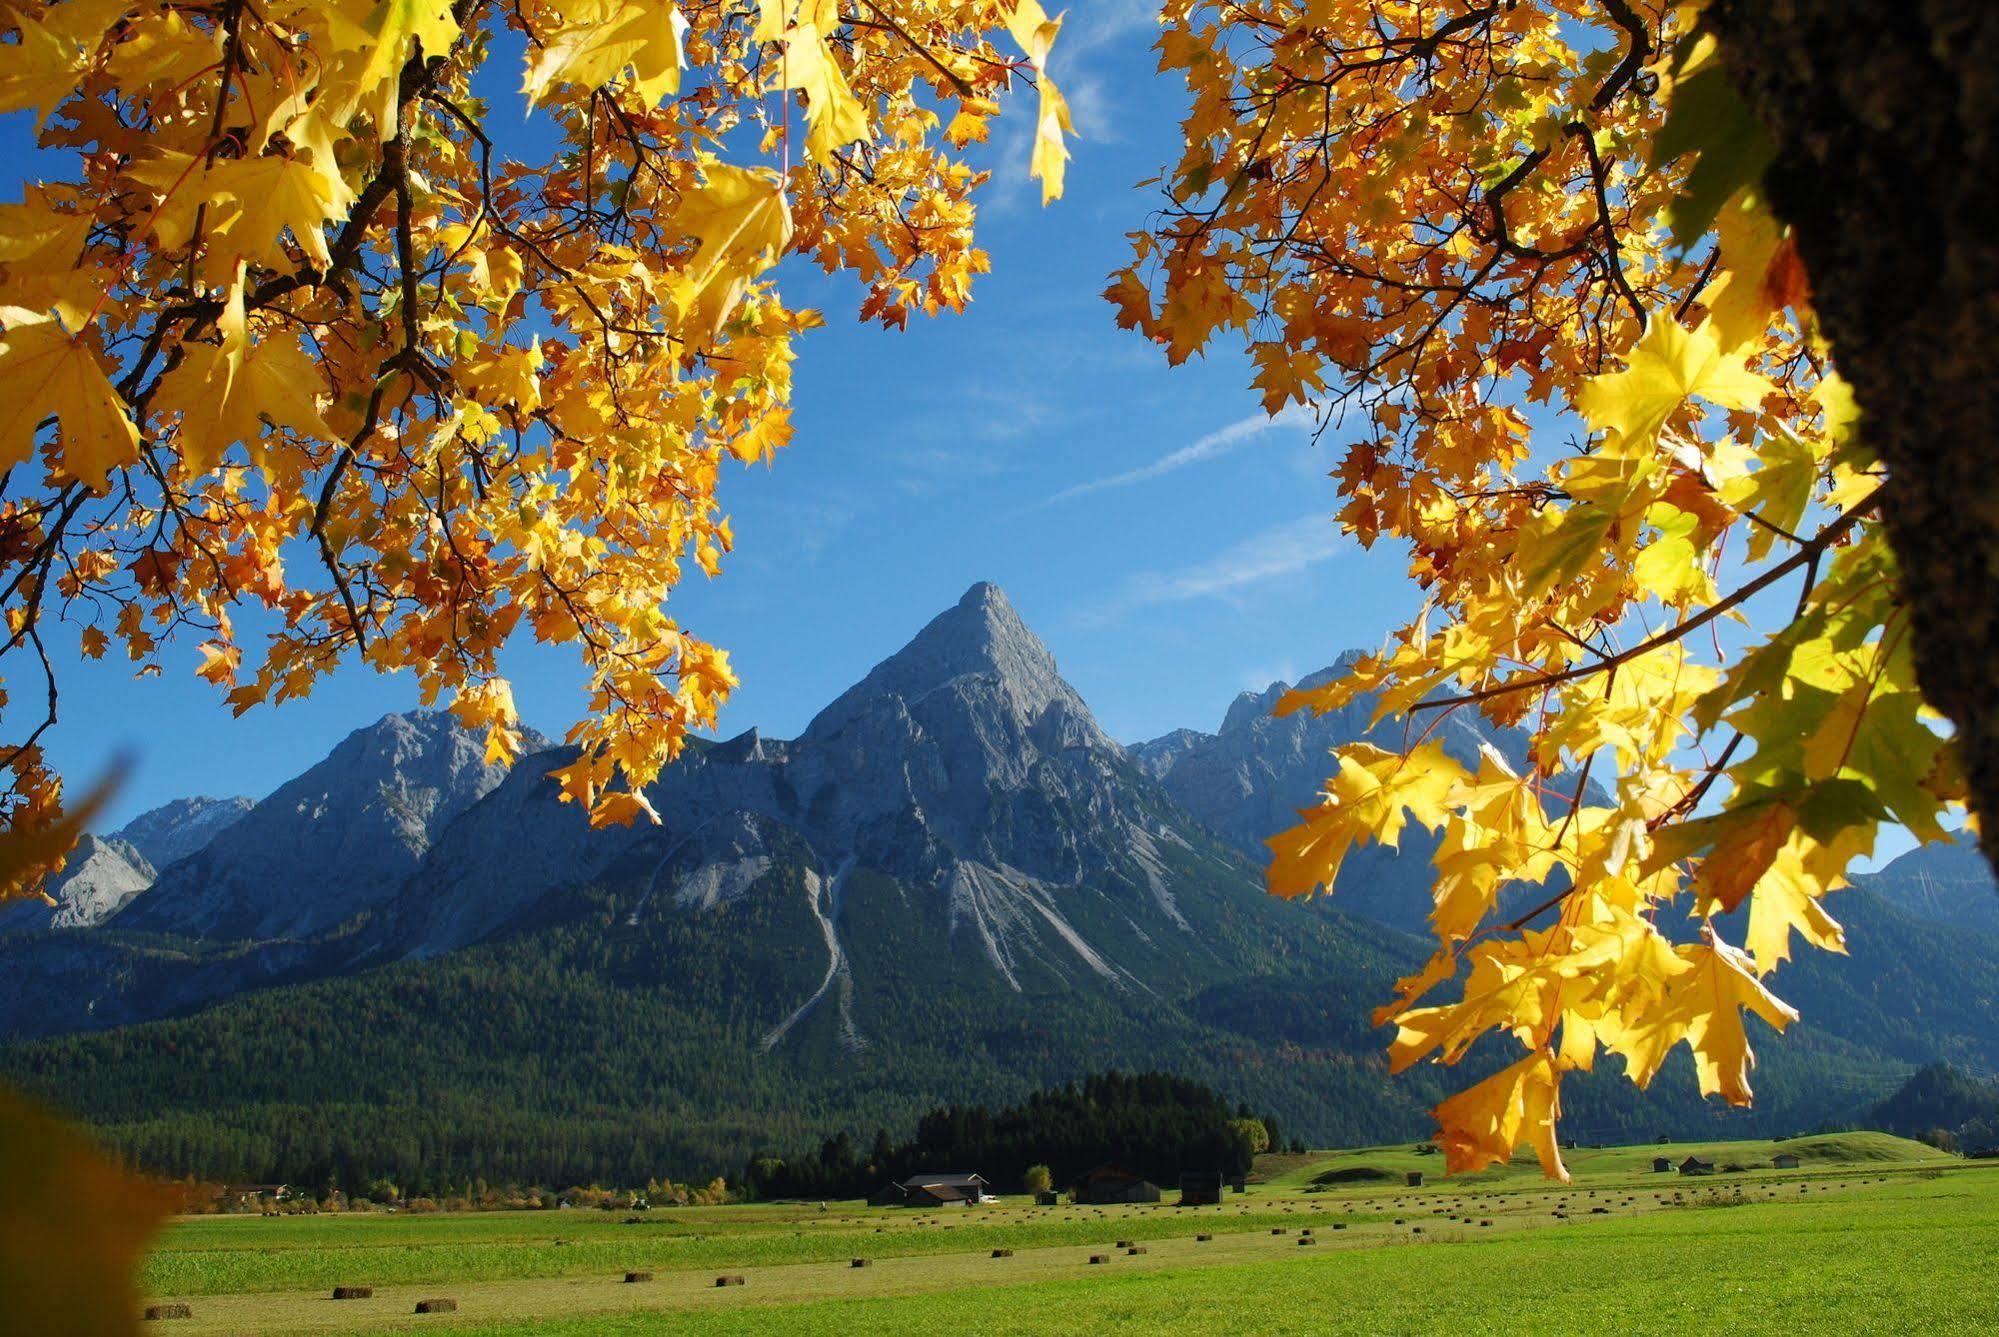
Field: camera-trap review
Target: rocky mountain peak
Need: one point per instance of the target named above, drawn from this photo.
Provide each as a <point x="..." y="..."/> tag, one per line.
<point x="337" y="839"/>
<point x="980" y="639"/>
<point x="102" y="874"/>
<point x="1250" y="707"/>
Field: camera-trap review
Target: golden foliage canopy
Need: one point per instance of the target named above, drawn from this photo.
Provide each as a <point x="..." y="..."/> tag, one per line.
<point x="289" y="331"/>
<point x="1516" y="257"/>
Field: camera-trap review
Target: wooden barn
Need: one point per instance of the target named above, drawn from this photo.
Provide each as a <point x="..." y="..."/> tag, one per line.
<point x="1200" y="1188"/>
<point x="1662" y="1165"/>
<point x="1112" y="1183"/>
<point x="1784" y="1160"/>
<point x="942" y="1188"/>
<point x="1694" y="1165"/>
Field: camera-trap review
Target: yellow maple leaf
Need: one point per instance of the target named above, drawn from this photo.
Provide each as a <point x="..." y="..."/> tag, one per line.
<point x="1369" y="799"/>
<point x="1703" y="1005"/>
<point x="1668" y="366"/>
<point x="744" y="223"/>
<point x="607" y="40"/>
<point x="45" y="370"/>
<point x="1035" y="33"/>
<point x="1787" y="897"/>
<point x="224" y="393"/>
<point x="41" y="69"/>
<point x="269" y="196"/>
<point x="386" y="37"/>
<point x="621" y="808"/>
<point x="835" y="116"/>
<point x="1482" y="1124"/>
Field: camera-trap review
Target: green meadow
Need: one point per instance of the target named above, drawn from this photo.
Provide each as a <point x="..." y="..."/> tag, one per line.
<point x="1870" y="1234"/>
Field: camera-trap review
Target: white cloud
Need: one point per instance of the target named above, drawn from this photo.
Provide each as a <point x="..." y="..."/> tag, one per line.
<point x="1219" y="442"/>
<point x="1280" y="551"/>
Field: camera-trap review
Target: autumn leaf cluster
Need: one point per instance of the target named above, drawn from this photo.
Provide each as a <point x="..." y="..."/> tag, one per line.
<point x="302" y="360"/>
<point x="1515" y="257"/>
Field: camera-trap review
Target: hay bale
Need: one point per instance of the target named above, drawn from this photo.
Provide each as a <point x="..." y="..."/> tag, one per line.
<point x="1002" y="1253"/>
<point x="1278" y="1230"/>
<point x="729" y="1281"/>
<point x="1100" y="1258"/>
<point x="1306" y="1239"/>
<point x="1202" y="1239"/>
<point x="633" y="1278"/>
<point x="154" y="1313"/>
<point x="1135" y="1248"/>
<point x="1126" y="1244"/>
<point x="860" y="1262"/>
<point x="353" y="1292"/>
<point x="1339" y="1225"/>
<point x="443" y="1305"/>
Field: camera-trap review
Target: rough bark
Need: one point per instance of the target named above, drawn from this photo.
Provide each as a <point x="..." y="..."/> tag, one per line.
<point x="1885" y="114"/>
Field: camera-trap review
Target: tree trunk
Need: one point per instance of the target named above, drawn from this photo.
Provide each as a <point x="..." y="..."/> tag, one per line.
<point x="1885" y="118"/>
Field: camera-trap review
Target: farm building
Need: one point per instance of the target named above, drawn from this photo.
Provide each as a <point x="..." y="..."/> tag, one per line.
<point x="1662" y="1165"/>
<point x="934" y="1189"/>
<point x="1200" y="1188"/>
<point x="1111" y="1183"/>
<point x="1413" y="1178"/>
<point x="1694" y="1165"/>
<point x="1047" y="1198"/>
<point x="1784" y="1160"/>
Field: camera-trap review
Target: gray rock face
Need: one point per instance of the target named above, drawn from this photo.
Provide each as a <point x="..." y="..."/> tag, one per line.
<point x="962" y="767"/>
<point x="339" y="839"/>
<point x="173" y="831"/>
<point x="103" y="874"/>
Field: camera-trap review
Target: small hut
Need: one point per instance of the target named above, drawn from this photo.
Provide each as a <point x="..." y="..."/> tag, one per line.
<point x="1414" y="1179"/>
<point x="1112" y="1184"/>
<point x="1048" y="1197"/>
<point x="1662" y="1165"/>
<point x="1200" y="1188"/>
<point x="1784" y="1160"/>
<point x="1694" y="1165"/>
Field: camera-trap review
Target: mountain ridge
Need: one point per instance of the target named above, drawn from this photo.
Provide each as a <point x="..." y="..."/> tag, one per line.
<point x="952" y="883"/>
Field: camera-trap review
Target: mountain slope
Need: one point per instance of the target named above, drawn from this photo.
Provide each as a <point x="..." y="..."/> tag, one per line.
<point x="1946" y="883"/>
<point x="173" y="831"/>
<point x="337" y="840"/>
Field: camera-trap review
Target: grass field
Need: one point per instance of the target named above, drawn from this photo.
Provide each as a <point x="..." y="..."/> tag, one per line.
<point x="1871" y="1234"/>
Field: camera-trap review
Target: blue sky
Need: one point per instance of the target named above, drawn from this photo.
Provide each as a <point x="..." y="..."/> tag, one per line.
<point x="1168" y="542"/>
